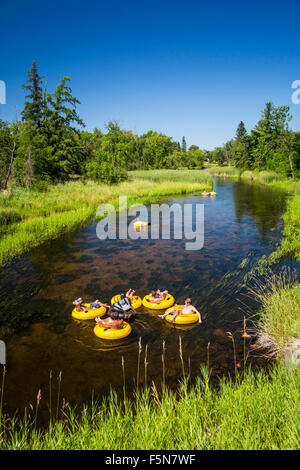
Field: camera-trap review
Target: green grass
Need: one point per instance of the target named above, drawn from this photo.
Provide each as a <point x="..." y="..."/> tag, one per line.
<point x="224" y="171"/>
<point x="264" y="177"/>
<point x="279" y="317"/>
<point x="28" y="218"/>
<point x="254" y="412"/>
<point x="179" y="176"/>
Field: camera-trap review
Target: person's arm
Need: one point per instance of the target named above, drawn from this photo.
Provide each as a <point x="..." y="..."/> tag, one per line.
<point x="104" y="305"/>
<point x="198" y="313"/>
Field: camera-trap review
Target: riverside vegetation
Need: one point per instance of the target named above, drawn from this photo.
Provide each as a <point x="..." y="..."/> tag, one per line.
<point x="53" y="176"/>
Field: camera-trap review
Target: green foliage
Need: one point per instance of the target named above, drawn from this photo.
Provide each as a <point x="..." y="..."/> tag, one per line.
<point x="271" y="146"/>
<point x="104" y="172"/>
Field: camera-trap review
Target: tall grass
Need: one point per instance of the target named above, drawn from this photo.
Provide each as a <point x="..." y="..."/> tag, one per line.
<point x="224" y="171"/>
<point x="279" y="317"/>
<point x="178" y="176"/>
<point x="256" y="411"/>
<point x="264" y="177"/>
<point x="28" y="217"/>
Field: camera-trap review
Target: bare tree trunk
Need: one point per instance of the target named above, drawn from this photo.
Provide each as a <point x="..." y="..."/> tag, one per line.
<point x="288" y="142"/>
<point x="12" y="159"/>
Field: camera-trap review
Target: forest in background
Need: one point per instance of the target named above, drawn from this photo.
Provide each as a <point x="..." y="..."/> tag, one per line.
<point x="49" y="143"/>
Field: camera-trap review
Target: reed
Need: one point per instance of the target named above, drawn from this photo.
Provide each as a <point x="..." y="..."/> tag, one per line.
<point x="139" y="362"/>
<point x="224" y="171"/>
<point x="58" y="394"/>
<point x="230" y="335"/>
<point x="146" y="363"/>
<point x="181" y="356"/>
<point x="163" y="363"/>
<point x="257" y="411"/>
<point x="2" y="395"/>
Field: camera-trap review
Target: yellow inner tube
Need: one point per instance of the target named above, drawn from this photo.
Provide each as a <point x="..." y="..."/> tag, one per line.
<point x="181" y="319"/>
<point x="167" y="302"/>
<point x="205" y="193"/>
<point x="107" y="333"/>
<point x="213" y="193"/>
<point x="139" y="224"/>
<point x="135" y="301"/>
<point x="90" y="314"/>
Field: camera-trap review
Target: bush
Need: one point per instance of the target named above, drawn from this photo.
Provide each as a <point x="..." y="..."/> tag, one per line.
<point x="105" y="172"/>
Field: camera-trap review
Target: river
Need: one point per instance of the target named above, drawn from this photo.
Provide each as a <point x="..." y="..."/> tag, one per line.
<point x="242" y="223"/>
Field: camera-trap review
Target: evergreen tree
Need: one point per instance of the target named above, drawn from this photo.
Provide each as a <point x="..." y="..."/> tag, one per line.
<point x="241" y="131"/>
<point x="34" y="108"/>
<point x="183" y="144"/>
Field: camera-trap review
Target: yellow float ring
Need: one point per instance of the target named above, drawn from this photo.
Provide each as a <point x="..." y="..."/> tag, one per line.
<point x="90" y="314"/>
<point x="205" y="193"/>
<point x="213" y="193"/>
<point x="181" y="319"/>
<point x="166" y="303"/>
<point x="107" y="333"/>
<point x="135" y="301"/>
<point x="140" y="224"/>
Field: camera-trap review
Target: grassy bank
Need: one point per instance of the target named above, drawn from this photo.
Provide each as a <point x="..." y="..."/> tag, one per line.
<point x="28" y="218"/>
<point x="279" y="317"/>
<point x="254" y="412"/>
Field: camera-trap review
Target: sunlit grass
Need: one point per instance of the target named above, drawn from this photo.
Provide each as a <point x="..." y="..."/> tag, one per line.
<point x="279" y="317"/>
<point x="179" y="176"/>
<point x="254" y="412"/>
<point x="224" y="171"/>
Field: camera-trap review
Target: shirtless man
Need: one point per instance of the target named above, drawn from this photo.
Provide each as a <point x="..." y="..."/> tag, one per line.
<point x="188" y="308"/>
<point x="157" y="296"/>
<point x="113" y="322"/>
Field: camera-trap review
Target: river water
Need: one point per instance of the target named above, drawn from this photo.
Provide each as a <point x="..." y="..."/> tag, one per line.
<point x="242" y="223"/>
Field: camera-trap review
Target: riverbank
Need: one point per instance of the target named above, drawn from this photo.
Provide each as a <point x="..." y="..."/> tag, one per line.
<point x="28" y="218"/>
<point x="256" y="411"/>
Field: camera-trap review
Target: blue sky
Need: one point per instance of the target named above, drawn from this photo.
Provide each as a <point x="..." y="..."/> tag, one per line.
<point x="183" y="68"/>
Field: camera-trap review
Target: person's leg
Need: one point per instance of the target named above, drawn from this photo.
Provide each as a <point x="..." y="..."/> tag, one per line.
<point x="168" y="313"/>
<point x="175" y="315"/>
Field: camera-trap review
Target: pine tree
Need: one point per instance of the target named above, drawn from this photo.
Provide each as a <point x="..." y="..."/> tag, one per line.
<point x="183" y="144"/>
<point x="241" y="131"/>
<point x="33" y="109"/>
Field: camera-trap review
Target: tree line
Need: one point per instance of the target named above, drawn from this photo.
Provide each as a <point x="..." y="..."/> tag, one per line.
<point x="49" y="143"/>
<point x="271" y="145"/>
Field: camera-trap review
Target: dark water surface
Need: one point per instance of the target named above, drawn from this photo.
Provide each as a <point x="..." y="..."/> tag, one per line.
<point x="242" y="221"/>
